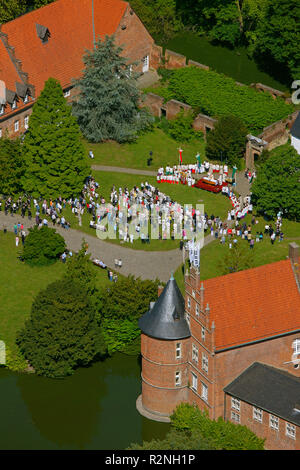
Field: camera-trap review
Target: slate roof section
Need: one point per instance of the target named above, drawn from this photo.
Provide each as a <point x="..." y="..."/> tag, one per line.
<point x="295" y="130"/>
<point x="71" y="34"/>
<point x="254" y="304"/>
<point x="270" y="389"/>
<point x="166" y="320"/>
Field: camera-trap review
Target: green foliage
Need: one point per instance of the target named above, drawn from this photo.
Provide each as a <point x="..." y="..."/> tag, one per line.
<point x="15" y="360"/>
<point x="213" y="94"/>
<point x="159" y="17"/>
<point x="121" y="305"/>
<point x="220" y="434"/>
<point x="181" y="129"/>
<point x="107" y="106"/>
<point x="227" y="140"/>
<point x="52" y="150"/>
<point x="277" y="184"/>
<point x="238" y="258"/>
<point x="175" y="440"/>
<point x="43" y="246"/>
<point x="10" y="9"/>
<point x="279" y="34"/>
<point x="80" y="268"/>
<point x="62" y="333"/>
<point x="11" y="166"/>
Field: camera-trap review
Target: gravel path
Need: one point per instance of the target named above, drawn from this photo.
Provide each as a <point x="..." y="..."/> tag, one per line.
<point x="117" y="169"/>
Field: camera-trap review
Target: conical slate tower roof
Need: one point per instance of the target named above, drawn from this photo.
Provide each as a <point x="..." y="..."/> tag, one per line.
<point x="165" y="320"/>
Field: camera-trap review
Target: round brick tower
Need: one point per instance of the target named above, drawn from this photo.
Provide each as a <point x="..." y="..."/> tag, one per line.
<point x="164" y="347"/>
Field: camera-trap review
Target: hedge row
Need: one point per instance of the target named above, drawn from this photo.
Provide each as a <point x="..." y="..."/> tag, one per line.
<point x="216" y="95"/>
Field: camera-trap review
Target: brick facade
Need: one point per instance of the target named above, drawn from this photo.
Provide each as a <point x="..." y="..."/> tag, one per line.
<point x="276" y="439"/>
<point x="206" y="368"/>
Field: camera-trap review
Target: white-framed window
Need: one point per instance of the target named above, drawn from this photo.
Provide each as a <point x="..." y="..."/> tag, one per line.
<point x="274" y="422"/>
<point x="235" y="417"/>
<point x="194" y="382"/>
<point x="14" y="104"/>
<point x="177" y="379"/>
<point x="2" y="109"/>
<point x="290" y="430"/>
<point x="145" y="61"/>
<point x="189" y="303"/>
<point x="195" y="353"/>
<point x="204" y="391"/>
<point x="296" y="346"/>
<point x="26" y="98"/>
<point x="257" y="414"/>
<point x="67" y="93"/>
<point x="16" y="126"/>
<point x="197" y="310"/>
<point x="178" y="350"/>
<point x="193" y="293"/>
<point x="0" y="133"/>
<point x="235" y="404"/>
<point x="203" y="333"/>
<point x="26" y="121"/>
<point x="187" y="316"/>
<point x="205" y="362"/>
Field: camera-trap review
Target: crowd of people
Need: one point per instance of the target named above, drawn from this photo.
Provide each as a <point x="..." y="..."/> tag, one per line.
<point x="185" y="174"/>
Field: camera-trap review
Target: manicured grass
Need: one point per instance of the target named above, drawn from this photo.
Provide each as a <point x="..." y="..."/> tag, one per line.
<point x="135" y="155"/>
<point x="213" y="203"/>
<point x="20" y="284"/>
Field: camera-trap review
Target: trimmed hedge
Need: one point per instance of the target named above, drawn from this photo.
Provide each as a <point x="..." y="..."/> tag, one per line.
<point x="216" y="95"/>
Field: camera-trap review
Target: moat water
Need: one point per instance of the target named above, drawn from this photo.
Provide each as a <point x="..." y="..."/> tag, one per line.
<point x="93" y="409"/>
<point x="234" y="63"/>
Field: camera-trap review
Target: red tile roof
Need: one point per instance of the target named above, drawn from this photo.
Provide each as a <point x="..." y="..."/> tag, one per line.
<point x="8" y="72"/>
<point x="70" y="25"/>
<point x="253" y="304"/>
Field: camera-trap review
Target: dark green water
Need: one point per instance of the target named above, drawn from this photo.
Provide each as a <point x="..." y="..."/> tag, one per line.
<point x="93" y="409"/>
<point x="233" y="63"/>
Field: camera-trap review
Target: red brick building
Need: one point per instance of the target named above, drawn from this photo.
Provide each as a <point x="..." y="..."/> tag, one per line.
<point x="51" y="41"/>
<point x="234" y="321"/>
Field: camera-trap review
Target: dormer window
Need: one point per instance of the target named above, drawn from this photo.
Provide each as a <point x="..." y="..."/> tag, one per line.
<point x="26" y="98"/>
<point x="2" y="109"/>
<point x="296" y="347"/>
<point x="14" y="104"/>
<point x="43" y="33"/>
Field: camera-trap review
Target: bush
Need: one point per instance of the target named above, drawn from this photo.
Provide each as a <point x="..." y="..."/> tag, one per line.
<point x="62" y="333"/>
<point x="43" y="246"/>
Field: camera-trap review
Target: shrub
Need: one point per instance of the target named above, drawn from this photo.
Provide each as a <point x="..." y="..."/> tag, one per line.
<point x="43" y="246"/>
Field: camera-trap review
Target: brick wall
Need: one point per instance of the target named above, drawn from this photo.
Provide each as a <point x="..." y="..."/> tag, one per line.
<point x="173" y="60"/>
<point x="275" y="439"/>
<point x="159" y="365"/>
<point x="173" y="107"/>
<point x="135" y="38"/>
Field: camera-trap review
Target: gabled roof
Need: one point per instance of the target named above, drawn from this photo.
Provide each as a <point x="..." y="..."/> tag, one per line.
<point x="165" y="320"/>
<point x="269" y="389"/>
<point x="8" y="72"/>
<point x="295" y="130"/>
<point x="70" y="25"/>
<point x="254" y="304"/>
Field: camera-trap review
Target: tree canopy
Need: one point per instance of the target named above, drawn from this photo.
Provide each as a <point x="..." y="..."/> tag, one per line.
<point x="43" y="246"/>
<point x="192" y="429"/>
<point x="52" y="150"/>
<point x="107" y="104"/>
<point x="276" y="187"/>
<point x="62" y="333"/>
<point x="227" y="141"/>
<point x="11" y="166"/>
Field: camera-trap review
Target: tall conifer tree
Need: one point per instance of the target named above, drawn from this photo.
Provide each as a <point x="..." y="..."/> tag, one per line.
<point x="52" y="149"/>
<point x="107" y="106"/>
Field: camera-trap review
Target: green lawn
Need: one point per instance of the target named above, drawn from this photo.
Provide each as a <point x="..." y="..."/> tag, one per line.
<point x="213" y="203"/>
<point x="20" y="283"/>
<point x="135" y="155"/>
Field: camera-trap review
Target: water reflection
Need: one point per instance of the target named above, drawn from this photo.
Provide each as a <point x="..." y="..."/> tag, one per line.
<point x="93" y="409"/>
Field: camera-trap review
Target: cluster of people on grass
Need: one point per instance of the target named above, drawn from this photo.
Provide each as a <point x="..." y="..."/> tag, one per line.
<point x="141" y="206"/>
<point x="185" y="174"/>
